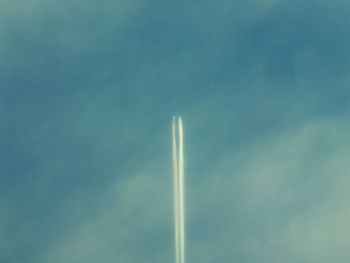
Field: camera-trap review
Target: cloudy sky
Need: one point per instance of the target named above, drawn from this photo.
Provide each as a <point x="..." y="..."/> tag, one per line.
<point x="87" y="91"/>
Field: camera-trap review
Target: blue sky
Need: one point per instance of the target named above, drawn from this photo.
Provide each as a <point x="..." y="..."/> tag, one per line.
<point x="87" y="91"/>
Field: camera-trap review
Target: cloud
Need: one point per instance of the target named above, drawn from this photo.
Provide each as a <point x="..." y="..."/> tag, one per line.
<point x="87" y="94"/>
<point x="129" y="222"/>
<point x="282" y="198"/>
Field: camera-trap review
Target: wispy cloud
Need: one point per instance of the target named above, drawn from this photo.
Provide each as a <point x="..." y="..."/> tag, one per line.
<point x="87" y="92"/>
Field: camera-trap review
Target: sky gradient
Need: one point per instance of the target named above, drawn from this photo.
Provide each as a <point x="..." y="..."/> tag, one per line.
<point x="87" y="92"/>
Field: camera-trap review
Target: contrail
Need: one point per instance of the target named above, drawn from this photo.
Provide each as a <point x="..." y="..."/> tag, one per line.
<point x="179" y="193"/>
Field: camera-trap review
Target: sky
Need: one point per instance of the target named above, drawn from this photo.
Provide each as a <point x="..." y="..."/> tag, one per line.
<point x="87" y="93"/>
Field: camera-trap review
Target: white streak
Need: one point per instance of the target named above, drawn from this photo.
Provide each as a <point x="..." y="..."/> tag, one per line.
<point x="181" y="192"/>
<point x="176" y="192"/>
<point x="179" y="196"/>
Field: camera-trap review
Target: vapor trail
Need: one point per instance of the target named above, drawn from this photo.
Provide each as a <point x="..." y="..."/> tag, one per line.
<point x="179" y="196"/>
<point x="181" y="192"/>
<point x="176" y="192"/>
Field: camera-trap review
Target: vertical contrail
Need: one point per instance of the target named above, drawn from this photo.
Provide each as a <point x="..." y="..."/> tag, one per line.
<point x="176" y="190"/>
<point x="179" y="193"/>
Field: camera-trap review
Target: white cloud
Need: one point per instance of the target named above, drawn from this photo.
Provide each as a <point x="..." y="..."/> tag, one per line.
<point x="127" y="218"/>
<point x="284" y="199"/>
